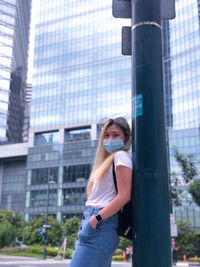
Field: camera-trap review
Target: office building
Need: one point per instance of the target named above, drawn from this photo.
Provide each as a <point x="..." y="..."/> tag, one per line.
<point x="14" y="121"/>
<point x="184" y="35"/>
<point x="14" y="34"/>
<point x="79" y="79"/>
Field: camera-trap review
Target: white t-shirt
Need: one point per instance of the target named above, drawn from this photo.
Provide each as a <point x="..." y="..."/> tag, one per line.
<point x="103" y="192"/>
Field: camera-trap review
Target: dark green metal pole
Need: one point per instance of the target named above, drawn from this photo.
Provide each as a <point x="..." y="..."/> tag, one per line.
<point x="46" y="217"/>
<point x="151" y="241"/>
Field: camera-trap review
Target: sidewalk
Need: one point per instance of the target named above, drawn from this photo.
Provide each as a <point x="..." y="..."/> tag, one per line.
<point x="10" y="260"/>
<point x="187" y="264"/>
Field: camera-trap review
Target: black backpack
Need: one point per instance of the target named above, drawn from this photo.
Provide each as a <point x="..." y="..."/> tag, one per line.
<point x="125" y="227"/>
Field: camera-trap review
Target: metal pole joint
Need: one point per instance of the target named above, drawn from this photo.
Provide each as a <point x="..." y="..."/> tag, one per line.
<point x="152" y="23"/>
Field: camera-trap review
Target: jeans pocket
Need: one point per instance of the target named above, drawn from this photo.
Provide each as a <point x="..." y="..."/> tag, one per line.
<point x="93" y="229"/>
<point x="88" y="235"/>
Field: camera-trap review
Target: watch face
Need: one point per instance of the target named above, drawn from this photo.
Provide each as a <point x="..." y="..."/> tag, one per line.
<point x="98" y="217"/>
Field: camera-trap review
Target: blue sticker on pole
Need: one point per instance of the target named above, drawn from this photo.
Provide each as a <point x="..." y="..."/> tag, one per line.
<point x="137" y="105"/>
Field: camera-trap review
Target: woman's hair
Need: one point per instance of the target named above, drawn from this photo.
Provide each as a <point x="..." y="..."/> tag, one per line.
<point x="103" y="162"/>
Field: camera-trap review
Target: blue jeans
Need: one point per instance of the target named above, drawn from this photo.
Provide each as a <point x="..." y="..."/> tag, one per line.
<point x="95" y="247"/>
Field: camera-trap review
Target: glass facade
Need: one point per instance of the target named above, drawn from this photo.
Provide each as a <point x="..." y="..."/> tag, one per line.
<point x="13" y="185"/>
<point x="185" y="65"/>
<point x="46" y="138"/>
<point x="77" y="134"/>
<point x="183" y="133"/>
<point x="14" y="35"/>
<point x="6" y="40"/>
<point x="79" y="72"/>
<point x="63" y="170"/>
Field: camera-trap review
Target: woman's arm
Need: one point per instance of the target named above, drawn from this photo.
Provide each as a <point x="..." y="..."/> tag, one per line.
<point x="124" y="181"/>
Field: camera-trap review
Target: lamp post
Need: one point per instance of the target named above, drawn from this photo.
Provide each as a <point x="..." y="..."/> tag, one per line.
<point x="151" y="241"/>
<point x="49" y="180"/>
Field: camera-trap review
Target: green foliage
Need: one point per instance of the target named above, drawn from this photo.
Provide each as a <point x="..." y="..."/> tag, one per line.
<point x="118" y="252"/>
<point x="14" y="249"/>
<point x="124" y="243"/>
<point x="194" y="190"/>
<point x="186" y="240"/>
<point x="117" y="258"/>
<point x="189" y="171"/>
<point x="187" y="165"/>
<point x="36" y="249"/>
<point x="193" y="259"/>
<point x="14" y="222"/>
<point x="7" y="234"/>
<point x="32" y="236"/>
<point x="33" y="251"/>
<point x="68" y="254"/>
<point x="174" y="196"/>
<point x="70" y="230"/>
<point x="71" y="226"/>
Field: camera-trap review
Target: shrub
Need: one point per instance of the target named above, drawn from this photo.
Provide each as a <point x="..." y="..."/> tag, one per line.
<point x="36" y="249"/>
<point x="193" y="259"/>
<point x="117" y="258"/>
<point x="118" y="252"/>
<point x="68" y="254"/>
<point x="52" y="252"/>
<point x="15" y="249"/>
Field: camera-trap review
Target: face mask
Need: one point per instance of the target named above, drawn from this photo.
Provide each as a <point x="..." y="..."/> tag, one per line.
<point x="113" y="145"/>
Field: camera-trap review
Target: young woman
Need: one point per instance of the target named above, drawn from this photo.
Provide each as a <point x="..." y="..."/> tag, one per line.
<point x="98" y="238"/>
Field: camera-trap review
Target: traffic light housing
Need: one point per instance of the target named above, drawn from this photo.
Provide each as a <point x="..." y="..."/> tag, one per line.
<point x="44" y="237"/>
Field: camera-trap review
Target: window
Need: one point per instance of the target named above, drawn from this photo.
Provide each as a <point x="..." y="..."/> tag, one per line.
<point x="46" y="138"/>
<point x="77" y="173"/>
<point x="74" y="196"/>
<point x="40" y="176"/>
<point x="39" y="198"/>
<point x="77" y="134"/>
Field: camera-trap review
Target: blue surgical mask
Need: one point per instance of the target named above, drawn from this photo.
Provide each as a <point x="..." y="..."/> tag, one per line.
<point x="113" y="145"/>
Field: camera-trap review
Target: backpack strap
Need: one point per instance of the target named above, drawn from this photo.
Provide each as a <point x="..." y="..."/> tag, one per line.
<point x="114" y="177"/>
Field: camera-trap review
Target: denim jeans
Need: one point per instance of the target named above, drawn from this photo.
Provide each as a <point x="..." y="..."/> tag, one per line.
<point x="95" y="247"/>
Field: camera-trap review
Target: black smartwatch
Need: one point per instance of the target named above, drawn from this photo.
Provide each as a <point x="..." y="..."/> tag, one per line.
<point x="98" y="218"/>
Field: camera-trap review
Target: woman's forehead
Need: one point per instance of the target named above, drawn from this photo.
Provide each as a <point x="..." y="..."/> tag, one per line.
<point x="113" y="128"/>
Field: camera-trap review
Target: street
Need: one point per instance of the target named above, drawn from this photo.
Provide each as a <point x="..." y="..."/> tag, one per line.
<point x="13" y="261"/>
<point x="16" y="261"/>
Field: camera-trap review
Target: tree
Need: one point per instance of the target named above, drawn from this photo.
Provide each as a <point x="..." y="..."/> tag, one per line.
<point x="124" y="243"/>
<point x="7" y="234"/>
<point x="189" y="172"/>
<point x="194" y="190"/>
<point x="32" y="236"/>
<point x="16" y="221"/>
<point x="70" y="230"/>
<point x="174" y="191"/>
<point x="187" y="239"/>
<point x="187" y="164"/>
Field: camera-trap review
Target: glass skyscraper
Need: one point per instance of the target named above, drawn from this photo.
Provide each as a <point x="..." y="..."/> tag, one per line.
<point x="79" y="72"/>
<point x="14" y="34"/>
<point x="14" y="43"/>
<point x="80" y="78"/>
<point x="184" y="134"/>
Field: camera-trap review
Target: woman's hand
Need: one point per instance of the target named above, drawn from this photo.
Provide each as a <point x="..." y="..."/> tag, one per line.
<point x="93" y="222"/>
